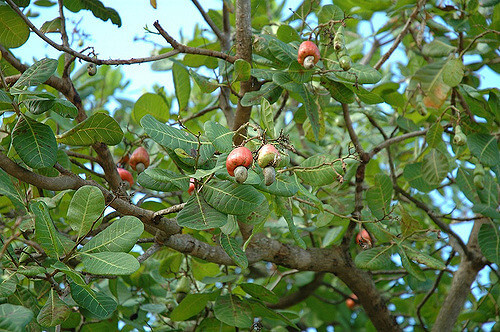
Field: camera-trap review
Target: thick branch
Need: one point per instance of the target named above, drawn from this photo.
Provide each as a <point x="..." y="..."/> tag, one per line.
<point x="462" y="281"/>
<point x="243" y="51"/>
<point x="395" y="140"/>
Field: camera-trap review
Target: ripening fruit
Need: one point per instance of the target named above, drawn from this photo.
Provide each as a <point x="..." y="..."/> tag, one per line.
<point x="350" y="302"/>
<point x="237" y="163"/>
<point x="363" y="239"/>
<point x="345" y="62"/>
<point x="308" y="54"/>
<point x="191" y="186"/>
<point x="139" y="160"/>
<point x="268" y="156"/>
<point x="126" y="175"/>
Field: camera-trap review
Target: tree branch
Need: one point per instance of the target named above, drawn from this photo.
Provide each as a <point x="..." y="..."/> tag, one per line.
<point x="209" y="21"/>
<point x="82" y="56"/>
<point x="180" y="48"/>
<point x="400" y="36"/>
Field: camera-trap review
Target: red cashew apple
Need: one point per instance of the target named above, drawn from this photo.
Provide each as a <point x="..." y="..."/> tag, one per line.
<point x="125" y="175"/>
<point x="268" y="159"/>
<point x="363" y="239"/>
<point x="139" y="160"/>
<point x="191" y="186"/>
<point x="308" y="54"/>
<point x="237" y="163"/>
<point x="351" y="304"/>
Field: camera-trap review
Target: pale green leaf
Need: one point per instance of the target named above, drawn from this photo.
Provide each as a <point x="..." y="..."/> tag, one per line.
<point x="489" y="242"/>
<point x="35" y="143"/>
<point x="434" y="167"/>
<point x="15" y="316"/>
<point x="13" y="30"/>
<point x="453" y="72"/>
<point x="220" y="136"/>
<point x="85" y="209"/>
<point x="151" y="103"/>
<point x="378" y="197"/>
<point x="191" y="305"/>
<point x="120" y="236"/>
<point x="485" y="148"/>
<point x="374" y="259"/>
<point x="109" y="263"/>
<point x="54" y="312"/>
<point x="99" y="304"/>
<point x="434" y="135"/>
<point x="38" y="73"/>
<point x="232" y="198"/>
<point x="182" y="85"/>
<point x="233" y="311"/>
<point x="99" y="127"/>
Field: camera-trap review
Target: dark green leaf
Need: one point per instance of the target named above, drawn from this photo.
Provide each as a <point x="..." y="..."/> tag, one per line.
<point x="14" y="31"/>
<point x="99" y="127"/>
<point x="233" y="311"/>
<point x="379" y="196"/>
<point x="232" y="198"/>
<point x="233" y="249"/>
<point x="54" y="312"/>
<point x="198" y="214"/>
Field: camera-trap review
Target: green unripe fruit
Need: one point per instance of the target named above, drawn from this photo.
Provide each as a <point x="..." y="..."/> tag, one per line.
<point x="479" y="181"/>
<point x="91" y="69"/>
<point x="479" y="170"/>
<point x="460" y="139"/>
<point x="345" y="62"/>
<point x="183" y="286"/>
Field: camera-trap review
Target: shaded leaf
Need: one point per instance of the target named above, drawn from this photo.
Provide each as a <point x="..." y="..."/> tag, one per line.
<point x="109" y="263"/>
<point x="182" y="85"/>
<point x="98" y="303"/>
<point x="378" y="258"/>
<point x="220" y="136"/>
<point x="54" y="312"/>
<point x="485" y="148"/>
<point x="151" y="103"/>
<point x="260" y="292"/>
<point x="434" y="167"/>
<point x="85" y="209"/>
<point x="284" y="207"/>
<point x="191" y="305"/>
<point x="198" y="214"/>
<point x="13" y="30"/>
<point x="489" y="242"/>
<point x="233" y="249"/>
<point x="233" y="311"/>
<point x="232" y="198"/>
<point x="379" y="196"/>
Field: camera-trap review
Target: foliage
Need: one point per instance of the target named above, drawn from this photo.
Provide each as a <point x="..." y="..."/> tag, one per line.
<point x="401" y="153"/>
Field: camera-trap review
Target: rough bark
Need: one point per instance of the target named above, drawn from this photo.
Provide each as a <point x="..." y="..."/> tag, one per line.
<point x="462" y="281"/>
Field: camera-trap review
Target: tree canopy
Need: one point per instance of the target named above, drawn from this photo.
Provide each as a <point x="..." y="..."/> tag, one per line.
<point x="338" y="209"/>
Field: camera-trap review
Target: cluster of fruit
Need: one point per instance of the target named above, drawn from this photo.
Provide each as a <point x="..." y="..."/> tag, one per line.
<point x="139" y="161"/>
<point x="309" y="54"/>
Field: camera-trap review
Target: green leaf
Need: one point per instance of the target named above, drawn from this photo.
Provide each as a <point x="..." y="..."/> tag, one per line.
<point x="13" y="30"/>
<point x="438" y="48"/>
<point x="422" y="258"/>
<point x="220" y="136"/>
<point x="267" y="118"/>
<point x="198" y="214"/>
<point x="283" y="186"/>
<point x="8" y="285"/>
<point x="173" y="138"/>
<point x="54" y="312"/>
<point x="120" y="236"/>
<point x="286" y="82"/>
<point x="361" y="74"/>
<point x="413" y="174"/>
<point x="271" y="91"/>
<point x="261" y="310"/>
<point x="37" y="74"/>
<point x="96" y="7"/>
<point x="35" y="143"/>
<point x="191" y="305"/>
<point x="182" y="85"/>
<point x="151" y="103"/>
<point x="85" y="210"/>
<point x="284" y="207"/>
<point x="299" y="74"/>
<point x="485" y="148"/>
<point x="231" y="225"/>
<point x="150" y="182"/>
<point x="232" y="198"/>
<point x="453" y="72"/>
<point x="233" y="249"/>
<point x="256" y="216"/>
<point x="64" y="108"/>
<point x="99" y="127"/>
<point x="330" y="12"/>
<point x="311" y="111"/>
<point x="374" y="259"/>
<point x="282" y="51"/>
<point x="51" y="26"/>
<point x="241" y="70"/>
<point x="434" y="167"/>
<point x="434" y="135"/>
<point x="204" y="83"/>
<point x="109" y="263"/>
<point x="99" y="304"/>
<point x="489" y="242"/>
<point x="14" y="316"/>
<point x="167" y="177"/>
<point x="408" y="223"/>
<point x="318" y="170"/>
<point x="411" y="267"/>
<point x="379" y="196"/>
<point x="430" y="79"/>
<point x="260" y="292"/>
<point x="8" y="189"/>
<point x="338" y="91"/>
<point x="231" y="310"/>
<point x="367" y="97"/>
<point x="465" y="181"/>
<point x="45" y="232"/>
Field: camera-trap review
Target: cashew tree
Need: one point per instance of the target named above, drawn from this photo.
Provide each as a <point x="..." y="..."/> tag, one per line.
<point x="304" y="170"/>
